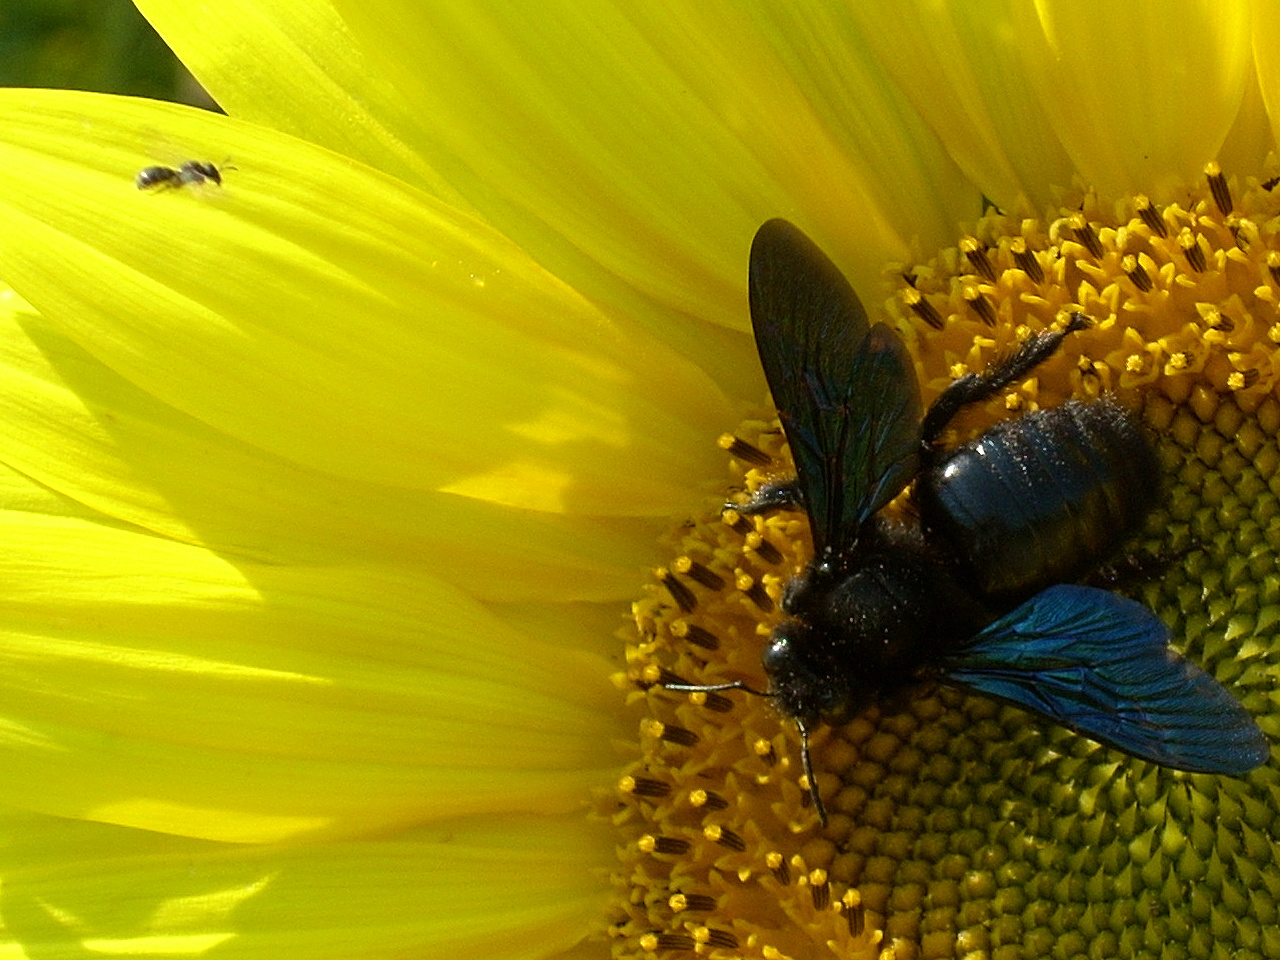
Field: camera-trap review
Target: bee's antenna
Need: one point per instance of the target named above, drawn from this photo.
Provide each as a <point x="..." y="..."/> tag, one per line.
<point x="806" y="761"/>
<point x="714" y="688"/>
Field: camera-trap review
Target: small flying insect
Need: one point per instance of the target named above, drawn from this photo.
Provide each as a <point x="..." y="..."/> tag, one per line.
<point x="190" y="172"/>
<point x="981" y="588"/>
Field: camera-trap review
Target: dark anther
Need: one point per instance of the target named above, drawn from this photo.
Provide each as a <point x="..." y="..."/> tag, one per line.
<point x="781" y="871"/>
<point x="681" y="594"/>
<point x="718" y="704"/>
<point x="705" y="800"/>
<point x="748" y="453"/>
<point x="1149" y="215"/>
<point x="738" y="523"/>
<point x="1026" y="260"/>
<point x="726" y="838"/>
<point x="1218" y="187"/>
<point x="1137" y="273"/>
<point x="767" y="552"/>
<point x="698" y="573"/>
<point x="675" y="941"/>
<point x="923" y="308"/>
<point x="759" y="596"/>
<point x="698" y="636"/>
<point x="694" y="901"/>
<point x="976" y="254"/>
<point x="675" y="845"/>
<point x="1192" y="250"/>
<point x="648" y="787"/>
<point x="821" y="895"/>
<point x="981" y="304"/>
<point x="722" y="939"/>
<point x="677" y="735"/>
<point x="1087" y="236"/>
<point x="856" y="918"/>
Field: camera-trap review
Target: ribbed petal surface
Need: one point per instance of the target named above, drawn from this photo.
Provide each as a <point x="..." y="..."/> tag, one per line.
<point x="216" y="299"/>
<point x="513" y="889"/>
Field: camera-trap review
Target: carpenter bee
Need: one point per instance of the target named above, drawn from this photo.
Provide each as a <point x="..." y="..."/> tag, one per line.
<point x="981" y="588"/>
<point x="193" y="171"/>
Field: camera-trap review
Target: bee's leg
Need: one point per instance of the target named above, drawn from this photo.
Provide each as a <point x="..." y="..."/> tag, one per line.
<point x="806" y="763"/>
<point x="783" y="495"/>
<point x="1131" y="570"/>
<point x="974" y="387"/>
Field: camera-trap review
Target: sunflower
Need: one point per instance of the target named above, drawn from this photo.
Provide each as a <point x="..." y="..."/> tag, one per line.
<point x="330" y="490"/>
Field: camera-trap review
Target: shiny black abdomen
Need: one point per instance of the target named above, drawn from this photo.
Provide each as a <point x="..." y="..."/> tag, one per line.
<point x="1043" y="498"/>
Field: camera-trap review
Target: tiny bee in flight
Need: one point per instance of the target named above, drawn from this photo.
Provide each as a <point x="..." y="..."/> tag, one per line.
<point x="191" y="172"/>
<point x="982" y="587"/>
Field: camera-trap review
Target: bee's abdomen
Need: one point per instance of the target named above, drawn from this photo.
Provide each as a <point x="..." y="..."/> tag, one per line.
<point x="1044" y="498"/>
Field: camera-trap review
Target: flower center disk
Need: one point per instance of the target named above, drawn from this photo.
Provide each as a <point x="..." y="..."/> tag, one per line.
<point x="958" y="823"/>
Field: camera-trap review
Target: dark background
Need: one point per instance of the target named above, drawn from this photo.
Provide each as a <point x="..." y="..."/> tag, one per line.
<point x="103" y="45"/>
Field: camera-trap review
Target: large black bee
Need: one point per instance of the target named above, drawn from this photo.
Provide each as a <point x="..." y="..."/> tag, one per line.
<point x="979" y="590"/>
<point x="193" y="171"/>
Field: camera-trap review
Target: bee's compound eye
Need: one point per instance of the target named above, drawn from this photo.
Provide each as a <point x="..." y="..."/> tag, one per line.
<point x="777" y="655"/>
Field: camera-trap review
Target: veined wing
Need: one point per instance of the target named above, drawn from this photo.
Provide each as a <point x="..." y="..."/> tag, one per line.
<point x="1101" y="664"/>
<point x="846" y="393"/>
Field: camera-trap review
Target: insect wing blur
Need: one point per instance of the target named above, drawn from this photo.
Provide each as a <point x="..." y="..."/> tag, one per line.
<point x="1101" y="665"/>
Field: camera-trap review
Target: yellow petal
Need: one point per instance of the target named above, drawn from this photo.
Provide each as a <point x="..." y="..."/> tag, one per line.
<point x="78" y="428"/>
<point x="505" y="889"/>
<point x="961" y="68"/>
<point x="1250" y="138"/>
<point x="654" y="139"/>
<point x="1141" y="94"/>
<point x="305" y="77"/>
<point x="340" y="320"/>
<point x="1266" y="52"/>
<point x="152" y="684"/>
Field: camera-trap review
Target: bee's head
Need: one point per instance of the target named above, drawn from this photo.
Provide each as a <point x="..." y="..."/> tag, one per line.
<point x="805" y="682"/>
<point x="805" y="689"/>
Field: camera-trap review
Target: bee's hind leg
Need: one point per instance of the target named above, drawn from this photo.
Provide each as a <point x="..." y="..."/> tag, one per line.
<point x="782" y="495"/>
<point x="974" y="387"/>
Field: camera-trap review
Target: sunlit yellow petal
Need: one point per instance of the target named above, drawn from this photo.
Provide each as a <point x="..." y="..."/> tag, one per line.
<point x="313" y="59"/>
<point x="1141" y="94"/>
<point x="501" y="889"/>
<point x="1266" y="52"/>
<point x="909" y="178"/>
<point x="664" y="133"/>
<point x="78" y="428"/>
<point x="1250" y="138"/>
<point x="960" y="65"/>
<point x="153" y="684"/>
<point x="215" y="300"/>
<point x="305" y="78"/>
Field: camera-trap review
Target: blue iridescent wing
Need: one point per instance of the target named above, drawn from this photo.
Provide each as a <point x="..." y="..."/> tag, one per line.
<point x="1101" y="665"/>
<point x="846" y="392"/>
